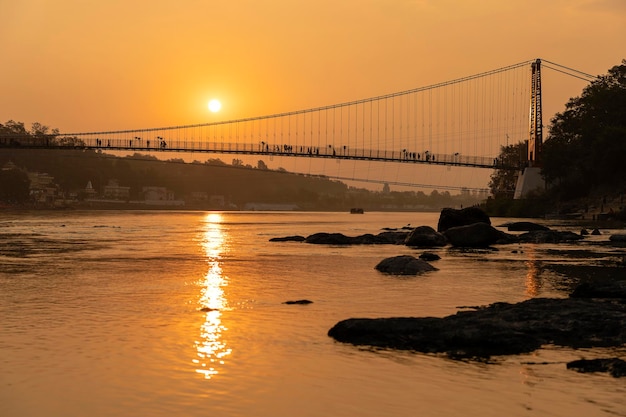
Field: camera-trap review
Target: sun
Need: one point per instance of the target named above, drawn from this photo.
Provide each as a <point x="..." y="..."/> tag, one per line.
<point x="215" y="105"/>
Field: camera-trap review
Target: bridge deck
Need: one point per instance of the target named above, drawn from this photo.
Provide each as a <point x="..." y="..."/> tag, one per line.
<point x="329" y="152"/>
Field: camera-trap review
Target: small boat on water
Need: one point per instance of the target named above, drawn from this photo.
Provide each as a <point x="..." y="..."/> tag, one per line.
<point x="356" y="210"/>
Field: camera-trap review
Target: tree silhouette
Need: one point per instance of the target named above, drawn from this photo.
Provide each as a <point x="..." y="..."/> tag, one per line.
<point x="587" y="141"/>
<point x="503" y="181"/>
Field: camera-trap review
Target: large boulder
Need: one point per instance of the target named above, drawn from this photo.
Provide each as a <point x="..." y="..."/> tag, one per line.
<point x="404" y="265"/>
<point x="477" y="235"/>
<point x="425" y="236"/>
<point x="498" y="329"/>
<point x="450" y="217"/>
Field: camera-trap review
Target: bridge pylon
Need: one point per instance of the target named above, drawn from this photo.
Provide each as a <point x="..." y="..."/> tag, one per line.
<point x="535" y="142"/>
<point x="529" y="178"/>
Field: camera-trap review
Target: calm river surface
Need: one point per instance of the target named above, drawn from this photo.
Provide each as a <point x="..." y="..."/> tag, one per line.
<point x="101" y="316"/>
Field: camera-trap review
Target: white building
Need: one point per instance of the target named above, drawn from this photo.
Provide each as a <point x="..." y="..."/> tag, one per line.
<point x="114" y="191"/>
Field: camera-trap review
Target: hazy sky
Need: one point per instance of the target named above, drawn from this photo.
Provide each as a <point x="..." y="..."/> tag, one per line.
<point x="81" y="65"/>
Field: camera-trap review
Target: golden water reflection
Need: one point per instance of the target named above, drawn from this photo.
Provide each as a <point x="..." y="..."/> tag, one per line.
<point x="533" y="282"/>
<point x="211" y="347"/>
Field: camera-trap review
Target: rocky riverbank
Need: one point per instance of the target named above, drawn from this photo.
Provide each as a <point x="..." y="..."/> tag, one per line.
<point x="594" y="315"/>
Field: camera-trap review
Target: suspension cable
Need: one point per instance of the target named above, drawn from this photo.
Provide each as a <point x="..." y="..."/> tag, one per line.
<point x="583" y="74"/>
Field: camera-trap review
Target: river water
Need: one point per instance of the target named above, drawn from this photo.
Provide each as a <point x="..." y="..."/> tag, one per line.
<point x="114" y="313"/>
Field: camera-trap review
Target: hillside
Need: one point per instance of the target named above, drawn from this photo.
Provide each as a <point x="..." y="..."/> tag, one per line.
<point x="212" y="184"/>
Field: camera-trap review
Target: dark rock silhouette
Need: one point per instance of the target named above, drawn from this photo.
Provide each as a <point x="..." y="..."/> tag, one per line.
<point x="404" y="265"/>
<point x="498" y="329"/>
<point x="425" y="236"/>
<point x="303" y="301"/>
<point x="429" y="256"/>
<point x="393" y="238"/>
<point x="477" y="235"/>
<point x="468" y="227"/>
<point x="614" y="366"/>
<point x="548" y="236"/>
<point x="602" y="288"/>
<point x="396" y="238"/>
<point x="329" y="239"/>
<point x="296" y="238"/>
<point x="618" y="237"/>
<point x="450" y="217"/>
<point x="525" y="227"/>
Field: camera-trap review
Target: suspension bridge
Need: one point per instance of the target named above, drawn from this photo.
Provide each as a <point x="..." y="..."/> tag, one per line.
<point x="462" y="122"/>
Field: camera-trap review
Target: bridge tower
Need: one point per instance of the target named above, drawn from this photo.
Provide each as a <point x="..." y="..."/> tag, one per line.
<point x="535" y="141"/>
<point x="530" y="178"/>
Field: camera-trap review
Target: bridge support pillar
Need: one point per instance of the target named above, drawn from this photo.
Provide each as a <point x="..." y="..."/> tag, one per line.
<point x="528" y="180"/>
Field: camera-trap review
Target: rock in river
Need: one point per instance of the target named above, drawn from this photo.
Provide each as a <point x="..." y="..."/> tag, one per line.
<point x="303" y="301"/>
<point x="322" y="238"/>
<point x="548" y="236"/>
<point x="476" y="235"/>
<point x="404" y="265"/>
<point x="295" y="238"/>
<point x="425" y="236"/>
<point x="614" y="366"/>
<point x="498" y="329"/>
<point x="525" y="227"/>
<point x="450" y="217"/>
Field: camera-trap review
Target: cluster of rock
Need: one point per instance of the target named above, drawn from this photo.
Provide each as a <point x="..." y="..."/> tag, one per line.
<point x="469" y="227"/>
<point x="498" y="329"/>
<point x="593" y="316"/>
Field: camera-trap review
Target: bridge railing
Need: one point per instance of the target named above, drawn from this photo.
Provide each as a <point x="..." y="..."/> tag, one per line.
<point x="137" y="144"/>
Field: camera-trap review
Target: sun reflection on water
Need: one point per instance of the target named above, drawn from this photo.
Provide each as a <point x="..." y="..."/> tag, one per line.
<point x="211" y="348"/>
<point x="533" y="282"/>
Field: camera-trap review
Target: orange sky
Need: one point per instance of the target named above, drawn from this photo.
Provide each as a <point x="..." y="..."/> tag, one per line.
<point x="85" y="66"/>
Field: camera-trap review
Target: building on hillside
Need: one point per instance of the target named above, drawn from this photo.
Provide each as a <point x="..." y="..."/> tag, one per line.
<point x="270" y="207"/>
<point x="114" y="191"/>
<point x="217" y="201"/>
<point x="160" y="196"/>
<point x="42" y="187"/>
<point x="152" y="193"/>
<point x="40" y="180"/>
<point x="89" y="190"/>
<point x="197" y="196"/>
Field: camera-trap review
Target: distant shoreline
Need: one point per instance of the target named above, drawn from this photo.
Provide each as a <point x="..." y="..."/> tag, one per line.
<point x="123" y="206"/>
<point x="134" y="207"/>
